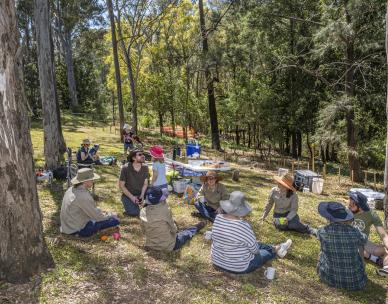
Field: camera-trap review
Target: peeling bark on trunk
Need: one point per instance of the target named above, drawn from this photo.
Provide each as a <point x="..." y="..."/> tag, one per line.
<point x="23" y="252"/>
<point x="53" y="138"/>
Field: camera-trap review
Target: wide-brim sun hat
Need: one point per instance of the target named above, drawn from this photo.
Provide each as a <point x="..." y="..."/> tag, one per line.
<point x="334" y="212"/>
<point x="236" y="204"/>
<point x="360" y="200"/>
<point x="83" y="175"/>
<point x="157" y="152"/>
<point x="286" y="181"/>
<point x="86" y="141"/>
<point x="214" y="174"/>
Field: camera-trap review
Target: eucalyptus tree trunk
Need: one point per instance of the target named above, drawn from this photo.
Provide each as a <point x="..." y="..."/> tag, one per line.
<point x="386" y="149"/>
<point x="209" y="82"/>
<point x="23" y="252"/>
<point x="53" y="138"/>
<point x="117" y="65"/>
<point x="68" y="56"/>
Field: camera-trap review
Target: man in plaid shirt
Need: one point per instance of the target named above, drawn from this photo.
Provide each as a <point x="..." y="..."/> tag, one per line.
<point x="340" y="262"/>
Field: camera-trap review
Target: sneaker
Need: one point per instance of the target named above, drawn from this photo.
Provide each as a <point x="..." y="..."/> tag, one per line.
<point x="313" y="232"/>
<point x="200" y="225"/>
<point x="283" y="248"/>
<point x="382" y="272"/>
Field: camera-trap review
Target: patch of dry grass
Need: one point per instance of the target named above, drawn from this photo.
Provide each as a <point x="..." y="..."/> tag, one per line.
<point x="94" y="271"/>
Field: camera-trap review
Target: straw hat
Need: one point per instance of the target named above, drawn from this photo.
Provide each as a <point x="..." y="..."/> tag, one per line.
<point x="236" y="204"/>
<point x="86" y="142"/>
<point x="204" y="178"/>
<point x="83" y="175"/>
<point x="286" y="181"/>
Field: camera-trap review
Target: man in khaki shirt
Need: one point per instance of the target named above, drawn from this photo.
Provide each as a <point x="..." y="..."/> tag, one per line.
<point x="79" y="213"/>
<point x="158" y="225"/>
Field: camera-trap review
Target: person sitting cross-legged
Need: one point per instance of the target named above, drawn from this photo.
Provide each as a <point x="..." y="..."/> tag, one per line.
<point x="364" y="218"/>
<point x="79" y="214"/>
<point x="340" y="262"/>
<point x="234" y="246"/>
<point x="209" y="196"/>
<point x="158" y="225"/>
<point x="87" y="156"/>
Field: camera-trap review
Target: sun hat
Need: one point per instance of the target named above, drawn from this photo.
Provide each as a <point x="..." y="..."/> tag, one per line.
<point x="83" y="175"/>
<point x="286" y="180"/>
<point x="132" y="154"/>
<point x="156" y="152"/>
<point x="236" y="204"/>
<point x="153" y="195"/>
<point x="334" y="212"/>
<point x="204" y="178"/>
<point x="86" y="141"/>
<point x="360" y="200"/>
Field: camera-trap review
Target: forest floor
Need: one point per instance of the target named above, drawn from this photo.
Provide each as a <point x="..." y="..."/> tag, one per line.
<point x="94" y="271"/>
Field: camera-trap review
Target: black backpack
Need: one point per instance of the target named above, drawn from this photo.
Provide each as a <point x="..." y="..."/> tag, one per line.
<point x="60" y="173"/>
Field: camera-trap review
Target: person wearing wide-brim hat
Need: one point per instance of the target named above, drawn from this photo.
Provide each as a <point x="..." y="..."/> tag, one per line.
<point x="79" y="213"/>
<point x="340" y="261"/>
<point x="209" y="196"/>
<point x="285" y="202"/>
<point x="234" y="245"/>
<point x="364" y="218"/>
<point x="86" y="155"/>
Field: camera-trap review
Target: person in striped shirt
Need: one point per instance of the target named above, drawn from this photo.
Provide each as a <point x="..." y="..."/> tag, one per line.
<point x="234" y="246"/>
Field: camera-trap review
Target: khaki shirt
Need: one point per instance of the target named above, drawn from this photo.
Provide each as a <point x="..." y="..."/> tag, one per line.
<point x="282" y="203"/>
<point x="78" y="208"/>
<point x="213" y="198"/>
<point x="158" y="226"/>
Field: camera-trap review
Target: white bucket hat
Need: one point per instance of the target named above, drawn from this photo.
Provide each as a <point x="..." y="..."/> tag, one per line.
<point x="236" y="204"/>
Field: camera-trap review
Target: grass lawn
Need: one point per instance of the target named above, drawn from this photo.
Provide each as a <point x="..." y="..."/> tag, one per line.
<point x="94" y="271"/>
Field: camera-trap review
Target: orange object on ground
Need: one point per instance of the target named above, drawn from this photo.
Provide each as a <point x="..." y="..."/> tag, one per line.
<point x="104" y="238"/>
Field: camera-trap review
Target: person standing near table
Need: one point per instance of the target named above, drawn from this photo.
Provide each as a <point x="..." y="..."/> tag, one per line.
<point x="133" y="182"/>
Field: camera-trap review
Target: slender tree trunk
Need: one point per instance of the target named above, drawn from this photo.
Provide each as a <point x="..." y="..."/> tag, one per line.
<point x="209" y="82"/>
<point x="53" y="138"/>
<point x="299" y="140"/>
<point x="294" y="147"/>
<point x="23" y="252"/>
<point x="117" y="65"/>
<point x="160" y="114"/>
<point x="386" y="148"/>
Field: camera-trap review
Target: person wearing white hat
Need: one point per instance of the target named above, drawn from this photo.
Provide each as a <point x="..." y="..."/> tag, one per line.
<point x="79" y="213"/>
<point x="234" y="246"/>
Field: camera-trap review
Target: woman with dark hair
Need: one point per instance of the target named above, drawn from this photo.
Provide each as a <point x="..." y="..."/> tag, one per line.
<point x="285" y="200"/>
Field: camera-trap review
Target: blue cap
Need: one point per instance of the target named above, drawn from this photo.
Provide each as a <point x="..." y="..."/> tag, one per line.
<point x="360" y="200"/>
<point x="153" y="195"/>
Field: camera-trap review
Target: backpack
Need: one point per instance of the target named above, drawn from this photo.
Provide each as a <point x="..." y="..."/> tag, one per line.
<point x="60" y="173"/>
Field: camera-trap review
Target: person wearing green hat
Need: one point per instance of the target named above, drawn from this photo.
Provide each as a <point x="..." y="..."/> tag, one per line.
<point x="79" y="213"/>
<point x="364" y="218"/>
<point x="340" y="263"/>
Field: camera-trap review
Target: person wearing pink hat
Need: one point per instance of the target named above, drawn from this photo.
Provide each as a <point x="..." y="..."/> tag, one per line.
<point x="159" y="178"/>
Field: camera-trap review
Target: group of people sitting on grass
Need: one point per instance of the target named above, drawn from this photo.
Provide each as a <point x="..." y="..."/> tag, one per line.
<point x="235" y="248"/>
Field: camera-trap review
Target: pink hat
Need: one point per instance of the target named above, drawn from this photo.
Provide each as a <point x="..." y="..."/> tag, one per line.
<point x="156" y="152"/>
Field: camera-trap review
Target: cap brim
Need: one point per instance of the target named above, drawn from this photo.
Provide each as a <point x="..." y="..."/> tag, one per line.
<point x="279" y="180"/>
<point x="75" y="181"/>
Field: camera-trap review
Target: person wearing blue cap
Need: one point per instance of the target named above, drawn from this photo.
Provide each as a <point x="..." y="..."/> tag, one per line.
<point x="340" y="263"/>
<point x="364" y="218"/>
<point x="158" y="225"/>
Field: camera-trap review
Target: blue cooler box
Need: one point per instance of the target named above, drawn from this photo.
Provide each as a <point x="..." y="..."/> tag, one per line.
<point x="192" y="148"/>
<point x="304" y="178"/>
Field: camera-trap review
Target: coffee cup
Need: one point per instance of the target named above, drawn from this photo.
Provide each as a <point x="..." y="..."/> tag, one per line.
<point x="270" y="273"/>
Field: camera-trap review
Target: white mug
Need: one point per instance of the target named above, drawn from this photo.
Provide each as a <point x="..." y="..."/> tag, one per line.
<point x="270" y="273"/>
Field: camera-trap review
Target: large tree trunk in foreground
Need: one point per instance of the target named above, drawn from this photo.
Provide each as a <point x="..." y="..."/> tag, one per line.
<point x="386" y="149"/>
<point x="23" y="251"/>
<point x="209" y="82"/>
<point x="53" y="138"/>
<point x="117" y="65"/>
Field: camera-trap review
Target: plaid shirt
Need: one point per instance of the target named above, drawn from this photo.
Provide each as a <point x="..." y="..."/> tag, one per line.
<point x="340" y="264"/>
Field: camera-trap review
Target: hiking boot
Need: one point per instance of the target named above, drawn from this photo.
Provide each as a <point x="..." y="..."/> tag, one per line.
<point x="382" y="272"/>
<point x="200" y="225"/>
<point x="196" y="214"/>
<point x="283" y="248"/>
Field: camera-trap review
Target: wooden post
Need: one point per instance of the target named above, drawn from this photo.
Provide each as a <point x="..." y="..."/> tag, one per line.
<point x="374" y="180"/>
<point x="308" y="165"/>
<point x="352" y="176"/>
<point x="292" y="168"/>
<point x="313" y="160"/>
<point x="298" y="164"/>
<point x="339" y="175"/>
<point x="324" y="170"/>
<point x="365" y="177"/>
<point x="284" y="162"/>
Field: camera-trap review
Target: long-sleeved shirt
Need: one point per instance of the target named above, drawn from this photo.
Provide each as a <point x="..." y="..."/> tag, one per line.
<point x="78" y="208"/>
<point x="159" y="227"/>
<point x="234" y="244"/>
<point x="213" y="198"/>
<point x="283" y="204"/>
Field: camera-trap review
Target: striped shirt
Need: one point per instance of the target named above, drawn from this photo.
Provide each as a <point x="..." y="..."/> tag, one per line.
<point x="234" y="244"/>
